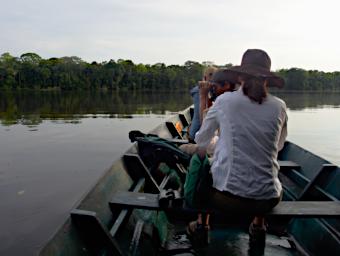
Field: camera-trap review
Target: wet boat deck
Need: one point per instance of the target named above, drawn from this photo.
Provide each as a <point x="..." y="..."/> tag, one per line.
<point x="227" y="239"/>
<point x="233" y="241"/>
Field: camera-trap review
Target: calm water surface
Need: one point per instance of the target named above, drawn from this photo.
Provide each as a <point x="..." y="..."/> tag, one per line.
<point x="54" y="146"/>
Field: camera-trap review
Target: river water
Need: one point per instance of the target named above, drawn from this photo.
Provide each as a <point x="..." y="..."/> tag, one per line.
<point x="54" y="146"/>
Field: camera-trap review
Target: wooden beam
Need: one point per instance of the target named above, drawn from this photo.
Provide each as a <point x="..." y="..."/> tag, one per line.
<point x="135" y="164"/>
<point x="324" y="167"/>
<point x="307" y="209"/>
<point x="172" y="129"/>
<point x="125" y="213"/>
<point x="183" y="120"/>
<point x="302" y="209"/>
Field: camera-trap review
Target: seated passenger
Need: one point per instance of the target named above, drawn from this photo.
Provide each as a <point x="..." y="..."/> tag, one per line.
<point x="195" y="94"/>
<point x="253" y="128"/>
<point x="209" y="91"/>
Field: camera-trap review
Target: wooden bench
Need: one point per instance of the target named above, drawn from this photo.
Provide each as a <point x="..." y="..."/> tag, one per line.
<point x="302" y="209"/>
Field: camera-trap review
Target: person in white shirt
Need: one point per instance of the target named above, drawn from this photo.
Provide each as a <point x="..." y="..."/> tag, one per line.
<point x="253" y="127"/>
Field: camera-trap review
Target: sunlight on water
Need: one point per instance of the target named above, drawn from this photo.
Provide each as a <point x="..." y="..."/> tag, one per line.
<point x="317" y="130"/>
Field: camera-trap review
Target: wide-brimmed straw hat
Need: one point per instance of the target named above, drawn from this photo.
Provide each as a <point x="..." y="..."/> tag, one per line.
<point x="256" y="63"/>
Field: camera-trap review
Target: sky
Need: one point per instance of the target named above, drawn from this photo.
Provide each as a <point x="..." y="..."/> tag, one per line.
<point x="295" y="33"/>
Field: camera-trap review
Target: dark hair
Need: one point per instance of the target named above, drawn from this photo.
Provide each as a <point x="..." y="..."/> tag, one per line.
<point x="232" y="85"/>
<point x="212" y="91"/>
<point x="255" y="89"/>
<point x="223" y="82"/>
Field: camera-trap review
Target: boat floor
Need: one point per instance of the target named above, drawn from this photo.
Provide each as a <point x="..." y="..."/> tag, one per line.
<point x="222" y="241"/>
<point x="234" y="241"/>
<point x="225" y="239"/>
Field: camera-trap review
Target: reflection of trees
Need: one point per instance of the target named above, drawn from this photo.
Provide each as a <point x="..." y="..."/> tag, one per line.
<point x="31" y="120"/>
<point x="31" y="107"/>
<point x="9" y="113"/>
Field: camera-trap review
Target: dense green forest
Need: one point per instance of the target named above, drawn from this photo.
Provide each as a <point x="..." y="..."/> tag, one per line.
<point x="68" y="73"/>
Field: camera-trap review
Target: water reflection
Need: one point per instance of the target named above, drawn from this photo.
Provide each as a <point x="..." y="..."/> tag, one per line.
<point x="300" y="100"/>
<point x="32" y="107"/>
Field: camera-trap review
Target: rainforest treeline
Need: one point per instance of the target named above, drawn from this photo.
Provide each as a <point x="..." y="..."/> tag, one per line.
<point x="30" y="71"/>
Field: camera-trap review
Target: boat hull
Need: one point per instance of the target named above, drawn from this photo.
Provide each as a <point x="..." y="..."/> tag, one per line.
<point x="308" y="236"/>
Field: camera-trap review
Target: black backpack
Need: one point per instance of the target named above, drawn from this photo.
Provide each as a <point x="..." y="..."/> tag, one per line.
<point x="154" y="150"/>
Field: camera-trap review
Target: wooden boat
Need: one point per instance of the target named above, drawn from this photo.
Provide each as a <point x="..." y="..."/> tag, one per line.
<point x="96" y="227"/>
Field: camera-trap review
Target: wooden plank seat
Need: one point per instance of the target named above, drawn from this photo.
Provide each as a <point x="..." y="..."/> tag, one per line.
<point x="303" y="209"/>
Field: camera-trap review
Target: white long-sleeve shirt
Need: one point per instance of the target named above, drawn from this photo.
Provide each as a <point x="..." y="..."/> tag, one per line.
<point x="251" y="134"/>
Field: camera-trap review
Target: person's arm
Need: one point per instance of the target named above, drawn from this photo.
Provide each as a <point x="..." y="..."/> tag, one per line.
<point x="195" y="124"/>
<point x="284" y="131"/>
<point x="204" y="99"/>
<point x="207" y="130"/>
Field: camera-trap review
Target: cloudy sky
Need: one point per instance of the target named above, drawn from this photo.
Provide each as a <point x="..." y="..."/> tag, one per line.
<point x="295" y="33"/>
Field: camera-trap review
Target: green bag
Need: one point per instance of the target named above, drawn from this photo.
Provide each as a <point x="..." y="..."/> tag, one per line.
<point x="197" y="182"/>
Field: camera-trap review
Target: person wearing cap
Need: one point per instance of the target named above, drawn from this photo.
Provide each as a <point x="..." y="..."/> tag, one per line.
<point x="253" y="128"/>
<point x="208" y="92"/>
<point x="220" y="83"/>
